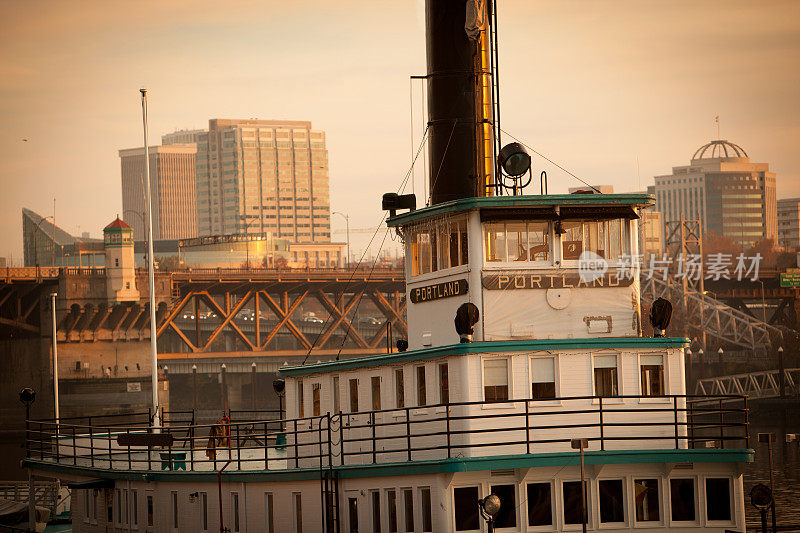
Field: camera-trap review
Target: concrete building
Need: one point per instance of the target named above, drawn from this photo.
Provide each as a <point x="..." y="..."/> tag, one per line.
<point x="172" y="187"/>
<point x="181" y="137"/>
<point x="732" y="196"/>
<point x="263" y="177"/>
<point x="789" y="223"/>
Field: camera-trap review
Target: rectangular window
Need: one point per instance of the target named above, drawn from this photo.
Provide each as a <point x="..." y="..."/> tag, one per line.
<point x="375" y="381"/>
<point x="174" y="510"/>
<point x="337" y="399"/>
<point x="150" y="513"/>
<point x="298" y="512"/>
<point x="605" y="376"/>
<point x="652" y="375"/>
<point x="465" y="505"/>
<point x="572" y="502"/>
<point x="645" y="492"/>
<point x="495" y="380"/>
<point x="543" y="378"/>
<point x="391" y="511"/>
<point x="204" y="510"/>
<point x="135" y="507"/>
<point x="444" y="384"/>
<point x="352" y="514"/>
<point x="354" y="395"/>
<point x="300" y="402"/>
<point x="408" y="505"/>
<point x="612" y="505"/>
<point x="427" y="514"/>
<point x="376" y="511"/>
<point x="540" y="504"/>
<point x="681" y="495"/>
<point x="119" y="506"/>
<point x="235" y="510"/>
<point x="422" y="397"/>
<point x="507" y="516"/>
<point x="718" y="498"/>
<point x="399" y="388"/>
<point x="269" y="513"/>
<point x="86" y="495"/>
<point x="316" y="390"/>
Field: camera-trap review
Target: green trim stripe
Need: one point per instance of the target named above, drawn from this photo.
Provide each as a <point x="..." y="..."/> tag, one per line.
<point x="488" y="347"/>
<point x="465" y="204"/>
<point x="444" y="466"/>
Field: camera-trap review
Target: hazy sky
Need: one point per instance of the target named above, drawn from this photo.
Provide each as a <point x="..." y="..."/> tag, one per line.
<point x="616" y="91"/>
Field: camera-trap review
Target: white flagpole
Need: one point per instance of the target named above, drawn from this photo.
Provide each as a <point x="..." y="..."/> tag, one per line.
<point x="150" y="274"/>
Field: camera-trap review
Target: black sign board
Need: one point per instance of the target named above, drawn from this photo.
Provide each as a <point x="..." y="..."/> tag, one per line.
<point x="145" y="439"/>
<point x="438" y="291"/>
<point x="509" y="281"/>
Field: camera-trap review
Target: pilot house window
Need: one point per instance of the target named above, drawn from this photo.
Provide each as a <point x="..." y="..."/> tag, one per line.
<point x="607" y="238"/>
<point x="517" y="241"/>
<point x="438" y="247"/>
<point x="495" y="380"/>
<point x="652" y="375"/>
<point x="605" y="376"/>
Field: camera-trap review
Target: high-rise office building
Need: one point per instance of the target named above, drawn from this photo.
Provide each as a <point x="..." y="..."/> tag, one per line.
<point x="732" y="196"/>
<point x="789" y="223"/>
<point x="181" y="137"/>
<point x="263" y="177"/>
<point x="172" y="189"/>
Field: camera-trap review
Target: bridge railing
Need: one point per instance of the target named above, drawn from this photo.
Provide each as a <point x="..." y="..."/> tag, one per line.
<point x="435" y="432"/>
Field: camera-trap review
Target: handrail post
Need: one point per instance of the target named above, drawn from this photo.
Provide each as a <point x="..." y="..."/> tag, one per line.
<point x="746" y="423"/>
<point x="128" y="431"/>
<point x="690" y="423"/>
<point x="266" y="446"/>
<point x="408" y="432"/>
<point x="330" y="452"/>
<point x="75" y="449"/>
<point x="374" y="454"/>
<point x="110" y="457"/>
<point x="721" y="426"/>
<point x="602" y="428"/>
<point x="91" y="441"/>
<point x="238" y="449"/>
<point x="296" y="448"/>
<point x="527" y="427"/>
<point x="447" y="414"/>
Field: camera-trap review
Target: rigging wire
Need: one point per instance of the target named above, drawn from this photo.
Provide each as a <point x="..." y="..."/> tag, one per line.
<point x="532" y="149"/>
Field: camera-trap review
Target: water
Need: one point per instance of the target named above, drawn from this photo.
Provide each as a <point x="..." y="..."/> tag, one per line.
<point x="779" y="417"/>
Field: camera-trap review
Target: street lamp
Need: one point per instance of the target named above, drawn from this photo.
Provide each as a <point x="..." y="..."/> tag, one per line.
<point x="489" y="507"/>
<point x="347" y="226"/>
<point x="144" y="226"/>
<point x="247" y="241"/>
<point x="55" y="358"/>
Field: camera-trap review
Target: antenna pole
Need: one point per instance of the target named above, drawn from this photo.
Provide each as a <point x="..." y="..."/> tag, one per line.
<point x="150" y="274"/>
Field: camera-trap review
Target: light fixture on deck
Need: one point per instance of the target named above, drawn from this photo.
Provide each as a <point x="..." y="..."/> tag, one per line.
<point x="559" y="228"/>
<point x="513" y="162"/>
<point x="489" y="507"/>
<point x="660" y="316"/>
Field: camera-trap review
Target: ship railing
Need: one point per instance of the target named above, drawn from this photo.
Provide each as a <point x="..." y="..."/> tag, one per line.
<point x="413" y="433"/>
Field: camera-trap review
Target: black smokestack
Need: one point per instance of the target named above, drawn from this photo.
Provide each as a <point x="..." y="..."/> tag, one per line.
<point x="455" y="62"/>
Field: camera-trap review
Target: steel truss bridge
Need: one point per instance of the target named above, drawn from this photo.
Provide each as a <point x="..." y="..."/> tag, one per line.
<point x="765" y="384"/>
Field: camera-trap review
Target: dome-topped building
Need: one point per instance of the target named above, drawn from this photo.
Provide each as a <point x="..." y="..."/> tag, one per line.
<point x="731" y="195"/>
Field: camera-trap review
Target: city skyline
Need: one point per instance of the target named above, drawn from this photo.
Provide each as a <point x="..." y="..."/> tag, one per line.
<point x="587" y="95"/>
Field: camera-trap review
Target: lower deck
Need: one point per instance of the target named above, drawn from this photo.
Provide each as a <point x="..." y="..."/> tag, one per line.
<point x="653" y="495"/>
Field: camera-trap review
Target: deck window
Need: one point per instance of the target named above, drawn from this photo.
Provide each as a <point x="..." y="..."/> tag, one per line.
<point x="439" y="248"/>
<point x="465" y="506"/>
<point x="269" y="513"/>
<point x="391" y="511"/>
<point x="297" y="502"/>
<point x="354" y="395"/>
<point x="652" y="375"/>
<point x="681" y="495"/>
<point x="507" y="516"/>
<point x="605" y="376"/>
<point x="352" y="514"/>
<point x="399" y="388"/>
<point x="612" y="500"/>
<point x="540" y="504"/>
<point x="517" y="241"/>
<point x="718" y="498"/>
<point x="543" y="378"/>
<point x="315" y="398"/>
<point x="135" y="507"/>
<point x="609" y="239"/>
<point x="427" y="522"/>
<point x="150" y="513"/>
<point x="408" y="505"/>
<point x="337" y="396"/>
<point x="376" y="511"/>
<point x="235" y="510"/>
<point x="301" y="404"/>
<point x="204" y="510"/>
<point x="495" y="380"/>
<point x="376" y="393"/>
<point x="444" y="384"/>
<point x="422" y="395"/>
<point x="572" y="502"/>
<point x="174" y="510"/>
<point x="648" y="506"/>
